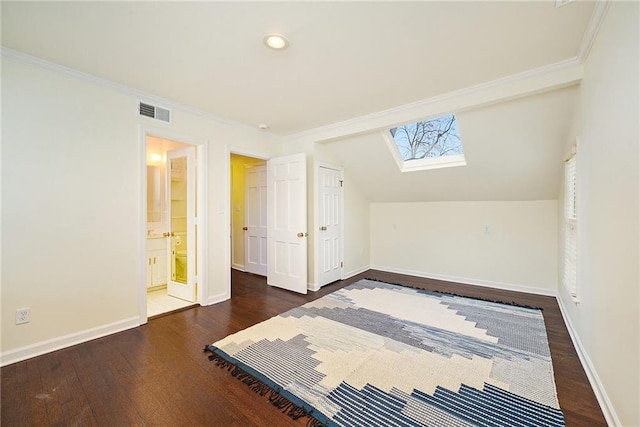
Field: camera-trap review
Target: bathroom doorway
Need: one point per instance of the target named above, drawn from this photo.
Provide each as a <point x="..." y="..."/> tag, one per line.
<point x="172" y="257"/>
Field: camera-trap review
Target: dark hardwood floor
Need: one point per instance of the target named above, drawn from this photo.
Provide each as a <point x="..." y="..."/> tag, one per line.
<point x="157" y="374"/>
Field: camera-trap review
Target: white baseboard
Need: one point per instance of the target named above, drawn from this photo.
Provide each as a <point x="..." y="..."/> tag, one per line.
<point x="314" y="287"/>
<point x="238" y="267"/>
<point x="58" y="343"/>
<point x="597" y="386"/>
<point x="355" y="272"/>
<point x="214" y="299"/>
<point x="468" y="281"/>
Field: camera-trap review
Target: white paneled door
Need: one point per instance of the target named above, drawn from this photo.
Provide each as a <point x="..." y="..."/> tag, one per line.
<point x="330" y="225"/>
<point x="287" y="222"/>
<point x="255" y="222"/>
<point x="181" y="203"/>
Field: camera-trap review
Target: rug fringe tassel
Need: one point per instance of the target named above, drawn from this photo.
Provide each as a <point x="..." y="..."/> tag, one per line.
<point x="512" y="303"/>
<point x="287" y="407"/>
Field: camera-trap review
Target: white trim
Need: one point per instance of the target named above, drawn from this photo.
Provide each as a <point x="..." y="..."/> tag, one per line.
<point x="338" y="129"/>
<point x="202" y="173"/>
<point x="589" y="36"/>
<point x="138" y="94"/>
<point x="547" y="77"/>
<point x="313" y="287"/>
<point x="247" y="153"/>
<point x="393" y="148"/>
<point x="64" y="341"/>
<point x="217" y="298"/>
<point x="239" y="267"/>
<point x="420" y="164"/>
<point x="202" y="180"/>
<point x="142" y="228"/>
<point x="434" y="163"/>
<point x="355" y="272"/>
<point x="598" y="388"/>
<point x="469" y="281"/>
<point x="538" y="80"/>
<point x="570" y="219"/>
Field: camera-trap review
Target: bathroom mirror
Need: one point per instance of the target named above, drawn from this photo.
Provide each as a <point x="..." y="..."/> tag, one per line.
<point x="154" y="194"/>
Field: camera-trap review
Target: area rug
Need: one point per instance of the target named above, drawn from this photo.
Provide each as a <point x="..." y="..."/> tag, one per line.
<point x="378" y="354"/>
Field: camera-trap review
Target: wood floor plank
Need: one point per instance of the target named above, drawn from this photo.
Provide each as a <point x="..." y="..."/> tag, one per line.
<point x="51" y="388"/>
<point x="35" y="393"/>
<point x="157" y="374"/>
<point x="77" y="411"/>
<point x="14" y="395"/>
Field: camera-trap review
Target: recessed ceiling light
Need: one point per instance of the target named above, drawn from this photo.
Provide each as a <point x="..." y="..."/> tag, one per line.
<point x="263" y="127"/>
<point x="275" y="41"/>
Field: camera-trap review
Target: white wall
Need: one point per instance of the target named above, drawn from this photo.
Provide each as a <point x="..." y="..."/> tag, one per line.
<point x="448" y="240"/>
<point x="72" y="199"/>
<point x="357" y="228"/>
<point x="607" y="319"/>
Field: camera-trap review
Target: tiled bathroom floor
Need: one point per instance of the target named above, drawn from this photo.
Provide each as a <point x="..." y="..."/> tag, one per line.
<point x="159" y="302"/>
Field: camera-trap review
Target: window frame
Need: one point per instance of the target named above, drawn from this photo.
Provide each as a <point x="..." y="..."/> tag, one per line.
<point x="570" y="221"/>
<point x="427" y="163"/>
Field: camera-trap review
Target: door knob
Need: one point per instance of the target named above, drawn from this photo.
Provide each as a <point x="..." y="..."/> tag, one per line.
<point x="245" y="228"/>
<point x="302" y="234"/>
<point x="323" y="228"/>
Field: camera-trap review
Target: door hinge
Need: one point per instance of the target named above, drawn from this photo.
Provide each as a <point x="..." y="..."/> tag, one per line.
<point x="341" y="182"/>
<point x="341" y="264"/>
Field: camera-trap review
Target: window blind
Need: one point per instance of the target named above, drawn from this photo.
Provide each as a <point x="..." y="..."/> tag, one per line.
<point x="570" y="225"/>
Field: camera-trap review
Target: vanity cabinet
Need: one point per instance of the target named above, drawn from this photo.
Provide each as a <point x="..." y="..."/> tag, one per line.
<point x="156" y="262"/>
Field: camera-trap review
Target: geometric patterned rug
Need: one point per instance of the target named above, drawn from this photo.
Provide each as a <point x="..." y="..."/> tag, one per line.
<point x="375" y="353"/>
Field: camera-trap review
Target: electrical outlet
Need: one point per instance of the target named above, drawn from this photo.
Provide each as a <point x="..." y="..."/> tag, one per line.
<point x="23" y="315"/>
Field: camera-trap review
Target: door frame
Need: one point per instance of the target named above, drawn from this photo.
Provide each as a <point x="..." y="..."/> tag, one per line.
<point x="201" y="208"/>
<point x="227" y="212"/>
<point x="316" y="224"/>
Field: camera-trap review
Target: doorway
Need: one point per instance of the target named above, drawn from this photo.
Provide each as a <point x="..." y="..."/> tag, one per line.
<point x="173" y="242"/>
<point x="248" y="218"/>
<point x="283" y="201"/>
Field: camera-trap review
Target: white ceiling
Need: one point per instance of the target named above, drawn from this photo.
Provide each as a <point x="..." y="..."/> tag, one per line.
<point x="345" y="59"/>
<point x="347" y="62"/>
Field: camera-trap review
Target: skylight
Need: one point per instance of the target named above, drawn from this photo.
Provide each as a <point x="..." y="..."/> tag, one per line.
<point x="427" y="144"/>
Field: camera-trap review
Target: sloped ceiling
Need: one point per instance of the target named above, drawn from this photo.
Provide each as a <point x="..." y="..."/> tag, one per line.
<point x="346" y="61"/>
<point x="514" y="151"/>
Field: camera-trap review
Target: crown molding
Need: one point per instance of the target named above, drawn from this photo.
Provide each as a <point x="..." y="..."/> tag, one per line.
<point x="589" y="36"/>
<point x="24" y="58"/>
<point x="373" y="121"/>
<point x="339" y="129"/>
<point x="538" y="80"/>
